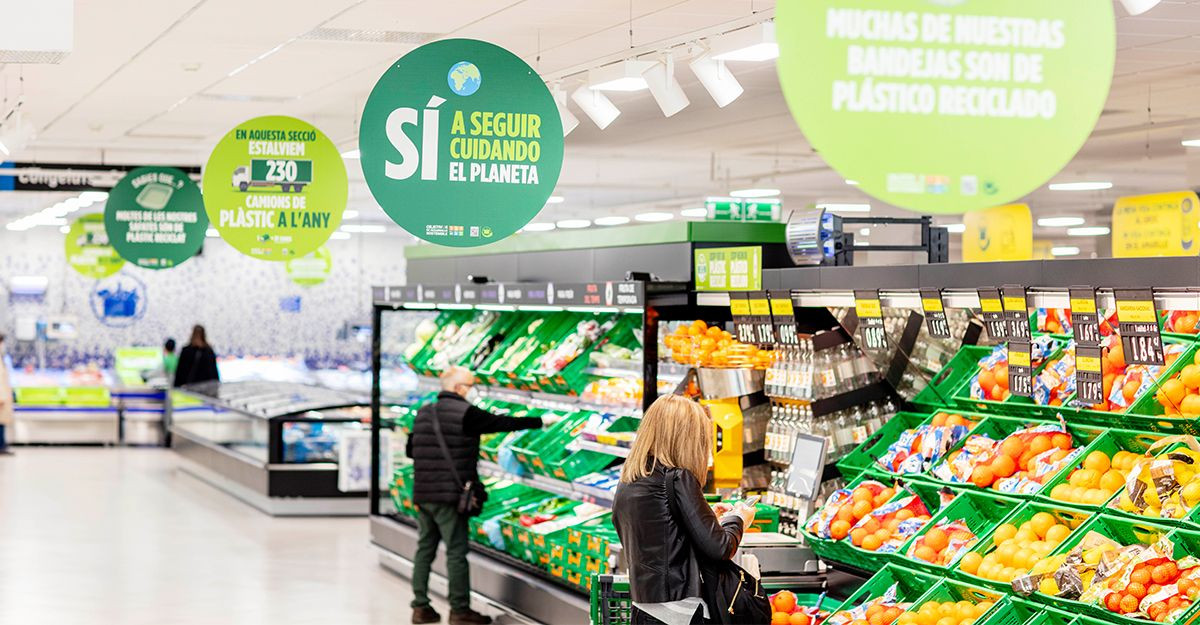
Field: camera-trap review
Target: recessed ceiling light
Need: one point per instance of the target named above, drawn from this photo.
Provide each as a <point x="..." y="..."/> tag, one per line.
<point x="212" y="233"/>
<point x="538" y="227"/>
<point x="846" y="208"/>
<point x="1191" y="143"/>
<point x="694" y="212"/>
<point x="1088" y="231"/>
<point x="612" y="220"/>
<point x="956" y="228"/>
<point x="1065" y="250"/>
<point x="753" y="193"/>
<point x="654" y="216"/>
<point x="351" y="153"/>
<point x="364" y="228"/>
<point x="1081" y="186"/>
<point x="1061" y="222"/>
<point x="340" y="236"/>
<point x="573" y="224"/>
<point x="853" y="183"/>
<point x="350" y="214"/>
<point x="555" y="199"/>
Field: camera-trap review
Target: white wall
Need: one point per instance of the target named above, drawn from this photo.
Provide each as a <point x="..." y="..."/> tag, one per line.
<point x="236" y="297"/>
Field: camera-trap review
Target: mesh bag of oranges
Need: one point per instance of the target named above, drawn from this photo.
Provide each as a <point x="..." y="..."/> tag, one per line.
<point x="846" y="507"/>
<point x="1166" y="486"/>
<point x="1020" y="464"/>
<point x="917" y="449"/>
<point x="942" y="544"/>
<point x="886" y="528"/>
<point x="699" y="345"/>
<point x="882" y="610"/>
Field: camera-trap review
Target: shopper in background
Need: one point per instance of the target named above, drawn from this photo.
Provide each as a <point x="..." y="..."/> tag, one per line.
<point x="6" y="396"/>
<point x="170" y="359"/>
<point x="665" y="525"/>
<point x="197" y="361"/>
<point x="444" y="446"/>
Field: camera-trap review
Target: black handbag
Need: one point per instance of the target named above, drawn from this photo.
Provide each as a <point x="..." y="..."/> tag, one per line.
<point x="733" y="595"/>
<point x="473" y="495"/>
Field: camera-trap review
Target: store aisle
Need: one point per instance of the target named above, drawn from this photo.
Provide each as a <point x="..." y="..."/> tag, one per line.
<point x="102" y="536"/>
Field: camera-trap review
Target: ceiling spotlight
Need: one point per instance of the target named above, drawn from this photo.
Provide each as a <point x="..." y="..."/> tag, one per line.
<point x="1065" y="250"/>
<point x="754" y="43"/>
<point x="660" y="78"/>
<point x="351" y="154"/>
<point x="694" y="212"/>
<point x="654" y="216"/>
<point x="1137" y="7"/>
<point x="339" y="235"/>
<point x="716" y="78"/>
<point x="956" y="228"/>
<point x="555" y="199"/>
<point x="1190" y="143"/>
<point x="569" y="121"/>
<point x="853" y="183"/>
<point x="1081" y="186"/>
<point x="1088" y="231"/>
<point x="846" y="208"/>
<point x="212" y="233"/>
<point x="612" y="220"/>
<point x="538" y="227"/>
<point x="596" y="106"/>
<point x="754" y="193"/>
<point x="1061" y="222"/>
<point x="622" y="76"/>
<point x="574" y="224"/>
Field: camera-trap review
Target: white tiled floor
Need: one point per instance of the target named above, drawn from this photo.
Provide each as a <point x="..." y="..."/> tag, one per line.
<point x="119" y="536"/>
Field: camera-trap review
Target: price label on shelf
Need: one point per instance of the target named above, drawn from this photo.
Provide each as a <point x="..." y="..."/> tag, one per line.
<point x="783" y="317"/>
<point x="993" y="314"/>
<point x="1016" y="310"/>
<point x="1085" y="319"/>
<point x="739" y="307"/>
<point x="760" y="318"/>
<point x="1020" y="371"/>
<point x="935" y="313"/>
<point x="869" y="310"/>
<point x="1137" y="320"/>
<point x="1089" y="375"/>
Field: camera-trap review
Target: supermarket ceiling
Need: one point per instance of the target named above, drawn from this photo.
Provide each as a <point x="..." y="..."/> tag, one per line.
<point x="160" y="82"/>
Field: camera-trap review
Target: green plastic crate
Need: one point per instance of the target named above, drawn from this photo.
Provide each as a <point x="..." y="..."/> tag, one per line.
<point x="930" y="495"/>
<point x="1015" y="405"/>
<point x="863" y="457"/>
<point x="843" y="551"/>
<point x="910" y="586"/>
<point x="1075" y="518"/>
<point x="1109" y="442"/>
<point x="945" y="590"/>
<point x="1020" y="612"/>
<point x="939" y="393"/>
<point x="1189" y="521"/>
<point x="1145" y="413"/>
<point x="981" y="512"/>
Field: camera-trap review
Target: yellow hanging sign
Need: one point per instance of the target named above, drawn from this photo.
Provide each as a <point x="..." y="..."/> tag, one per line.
<point x="1162" y="224"/>
<point x="996" y="234"/>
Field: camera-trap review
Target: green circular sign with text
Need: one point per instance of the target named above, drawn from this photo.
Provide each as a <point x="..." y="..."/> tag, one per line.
<point x="946" y="106"/>
<point x="311" y="269"/>
<point x="461" y="143"/>
<point x="88" y="250"/>
<point x="155" y="217"/>
<point x="275" y="188"/>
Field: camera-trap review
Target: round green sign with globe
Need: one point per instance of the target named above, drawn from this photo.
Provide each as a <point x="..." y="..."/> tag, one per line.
<point x="311" y="269"/>
<point x="461" y="143"/>
<point x="155" y="217"/>
<point x="275" y="188"/>
<point x="88" y="249"/>
<point x="946" y="106"/>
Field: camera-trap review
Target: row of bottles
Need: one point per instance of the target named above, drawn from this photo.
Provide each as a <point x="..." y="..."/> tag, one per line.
<point x="802" y="373"/>
<point x="843" y="431"/>
<point x="793" y="510"/>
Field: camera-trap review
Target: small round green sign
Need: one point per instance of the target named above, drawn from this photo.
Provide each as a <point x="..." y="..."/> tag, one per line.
<point x="155" y="217"/>
<point x="88" y="249"/>
<point x="461" y="143"/>
<point x="946" y="106"/>
<point x="275" y="188"/>
<point x="311" y="269"/>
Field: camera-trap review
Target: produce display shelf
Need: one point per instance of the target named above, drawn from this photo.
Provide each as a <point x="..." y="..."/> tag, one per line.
<point x="614" y="450"/>
<point x="538" y="399"/>
<point x="549" y="485"/>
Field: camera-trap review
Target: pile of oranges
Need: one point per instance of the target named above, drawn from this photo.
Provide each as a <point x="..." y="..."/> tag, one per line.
<point x="942" y="543"/>
<point x="1129" y="380"/>
<point x="1014" y="457"/>
<point x="945" y="613"/>
<point x="1016" y="549"/>
<point x="1097" y="479"/>
<point x="993" y="381"/>
<point x="784" y="610"/>
<point x="699" y="345"/>
<point x="1180" y="395"/>
<point x="1183" y="322"/>
<point x="874" y="533"/>
<point x="863" y="501"/>
<point x="880" y="614"/>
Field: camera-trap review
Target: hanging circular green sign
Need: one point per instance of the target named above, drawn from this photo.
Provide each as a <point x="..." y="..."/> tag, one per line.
<point x="311" y="269"/>
<point x="155" y="217"/>
<point x="946" y="106"/>
<point x="461" y="143"/>
<point x="275" y="188"/>
<point x="88" y="249"/>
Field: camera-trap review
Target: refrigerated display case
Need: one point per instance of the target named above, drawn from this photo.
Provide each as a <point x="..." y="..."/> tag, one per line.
<point x="286" y="449"/>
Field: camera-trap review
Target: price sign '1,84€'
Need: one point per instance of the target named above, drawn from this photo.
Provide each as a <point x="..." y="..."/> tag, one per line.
<point x="1137" y="318"/>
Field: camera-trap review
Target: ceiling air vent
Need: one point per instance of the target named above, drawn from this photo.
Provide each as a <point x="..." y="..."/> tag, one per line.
<point x="368" y="36"/>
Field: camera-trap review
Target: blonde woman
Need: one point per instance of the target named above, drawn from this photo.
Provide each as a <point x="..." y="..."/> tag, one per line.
<point x="665" y="524"/>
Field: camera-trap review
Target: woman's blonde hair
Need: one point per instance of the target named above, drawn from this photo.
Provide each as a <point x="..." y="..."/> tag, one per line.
<point x="676" y="432"/>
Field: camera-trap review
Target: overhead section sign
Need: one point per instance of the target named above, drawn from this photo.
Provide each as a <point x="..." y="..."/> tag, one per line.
<point x="461" y="143"/>
<point x="999" y="233"/>
<point x="275" y="188"/>
<point x="1163" y="224"/>
<point x="946" y="106"/>
<point x="155" y="217"/>
<point x="88" y="250"/>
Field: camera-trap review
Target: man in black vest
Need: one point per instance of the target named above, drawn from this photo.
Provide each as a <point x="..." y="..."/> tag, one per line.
<point x="436" y="491"/>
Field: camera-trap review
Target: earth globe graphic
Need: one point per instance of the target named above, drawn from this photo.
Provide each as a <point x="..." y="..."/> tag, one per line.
<point x="464" y="78"/>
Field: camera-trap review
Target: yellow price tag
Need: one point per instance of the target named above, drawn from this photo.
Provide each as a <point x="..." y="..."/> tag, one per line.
<point x="1088" y="363"/>
<point x="782" y="308"/>
<point x="868" y="308"/>
<point x="1014" y="304"/>
<point x="1136" y="312"/>
<point x="1018" y="359"/>
<point x="760" y="307"/>
<point x="931" y="304"/>
<point x="739" y="307"/>
<point x="1083" y="306"/>
<point x="990" y="305"/>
